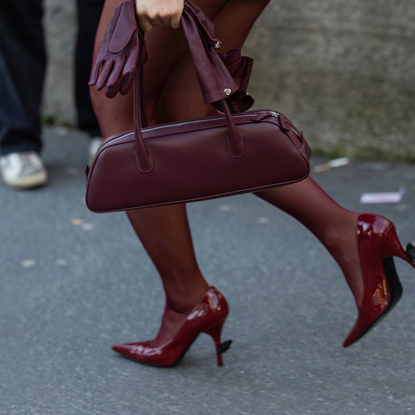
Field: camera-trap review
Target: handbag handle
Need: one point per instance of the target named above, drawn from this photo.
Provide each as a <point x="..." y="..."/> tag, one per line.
<point x="215" y="82"/>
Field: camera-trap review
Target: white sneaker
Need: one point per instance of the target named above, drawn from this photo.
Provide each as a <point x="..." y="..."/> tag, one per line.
<point x="93" y="147"/>
<point x="23" y="170"/>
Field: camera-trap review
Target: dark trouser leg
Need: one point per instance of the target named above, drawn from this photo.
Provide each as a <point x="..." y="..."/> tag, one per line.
<point x="89" y="13"/>
<point x="22" y="72"/>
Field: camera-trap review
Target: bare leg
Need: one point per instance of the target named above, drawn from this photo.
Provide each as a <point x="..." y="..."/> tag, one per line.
<point x="172" y="93"/>
<point x="333" y="225"/>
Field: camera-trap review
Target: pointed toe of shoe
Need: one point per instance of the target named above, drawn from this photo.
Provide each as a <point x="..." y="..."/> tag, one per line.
<point x="359" y="329"/>
<point x="353" y="336"/>
<point x="143" y="353"/>
<point x="364" y="323"/>
<point x="133" y="350"/>
<point x="121" y="348"/>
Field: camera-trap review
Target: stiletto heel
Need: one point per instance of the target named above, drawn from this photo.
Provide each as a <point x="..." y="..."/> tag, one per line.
<point x="215" y="332"/>
<point x="377" y="243"/>
<point x="410" y="251"/>
<point x="392" y="247"/>
<point x="207" y="317"/>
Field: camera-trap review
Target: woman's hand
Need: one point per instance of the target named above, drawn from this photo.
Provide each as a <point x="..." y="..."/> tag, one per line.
<point x="159" y="13"/>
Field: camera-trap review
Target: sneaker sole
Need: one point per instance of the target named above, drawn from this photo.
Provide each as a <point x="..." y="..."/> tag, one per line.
<point x="35" y="180"/>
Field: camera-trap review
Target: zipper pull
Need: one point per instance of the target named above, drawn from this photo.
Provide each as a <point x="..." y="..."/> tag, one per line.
<point x="260" y="117"/>
<point x="286" y="125"/>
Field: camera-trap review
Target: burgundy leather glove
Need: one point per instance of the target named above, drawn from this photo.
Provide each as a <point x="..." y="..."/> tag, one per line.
<point x="240" y="68"/>
<point x="121" y="49"/>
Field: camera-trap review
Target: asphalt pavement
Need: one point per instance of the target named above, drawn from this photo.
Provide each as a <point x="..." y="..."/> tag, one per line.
<point x="73" y="283"/>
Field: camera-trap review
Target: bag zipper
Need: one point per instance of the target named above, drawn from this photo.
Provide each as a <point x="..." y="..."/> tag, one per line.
<point x="274" y="114"/>
<point x="260" y="117"/>
<point x="178" y="124"/>
<point x="254" y="118"/>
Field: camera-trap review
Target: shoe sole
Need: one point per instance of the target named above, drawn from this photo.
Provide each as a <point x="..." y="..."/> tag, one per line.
<point x="37" y="180"/>
<point x="156" y="365"/>
<point x="395" y="289"/>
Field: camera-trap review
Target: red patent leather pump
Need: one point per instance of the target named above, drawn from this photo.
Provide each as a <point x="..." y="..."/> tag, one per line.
<point x="377" y="243"/>
<point x="208" y="316"/>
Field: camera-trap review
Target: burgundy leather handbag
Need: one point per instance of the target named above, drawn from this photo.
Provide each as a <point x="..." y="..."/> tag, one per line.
<point x="234" y="152"/>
